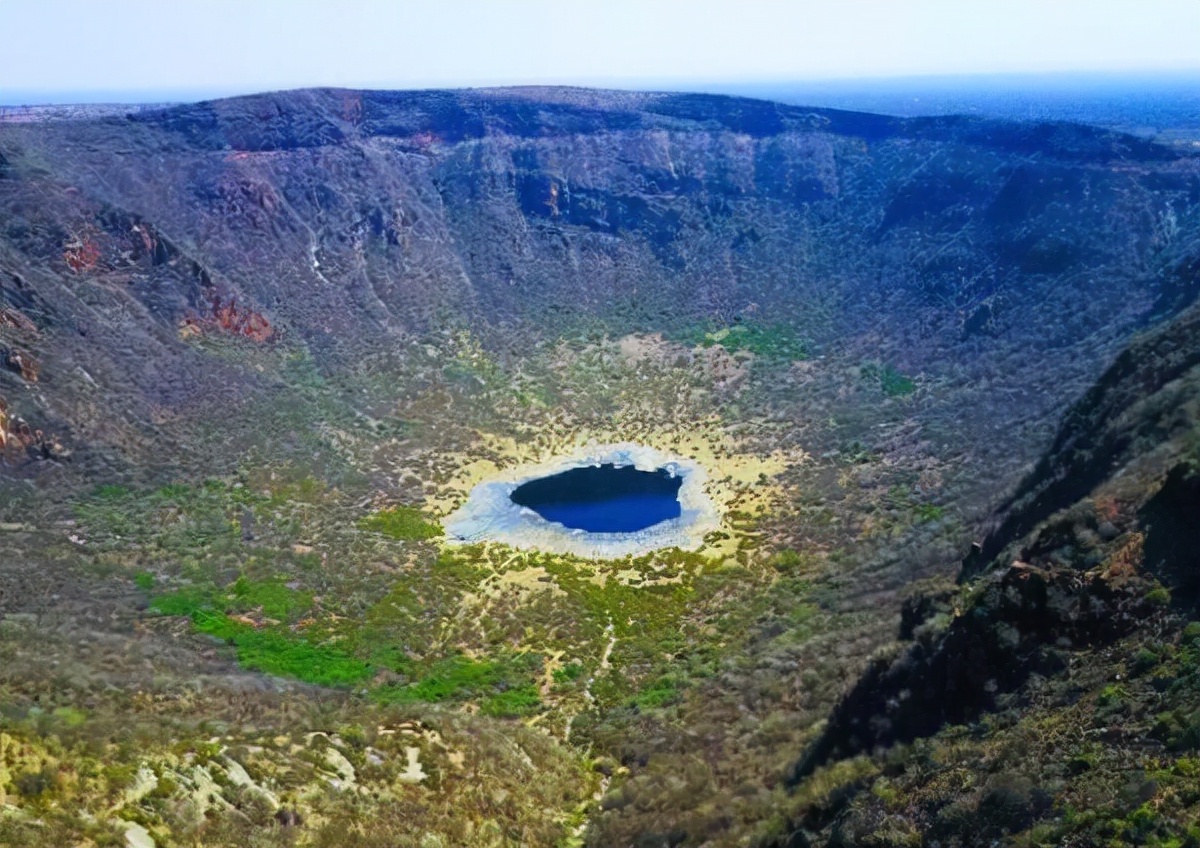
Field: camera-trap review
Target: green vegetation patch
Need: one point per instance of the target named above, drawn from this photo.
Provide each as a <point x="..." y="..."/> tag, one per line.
<point x="273" y="649"/>
<point x="769" y="341"/>
<point x="513" y="703"/>
<point x="657" y="694"/>
<point x="401" y="522"/>
<point x="270" y="597"/>
<point x="285" y="654"/>
<point x="568" y="673"/>
<point x="505" y="685"/>
<point x="70" y="716"/>
<point x="184" y="602"/>
<point x="273" y="598"/>
<point x="891" y="382"/>
<point x="929" y="512"/>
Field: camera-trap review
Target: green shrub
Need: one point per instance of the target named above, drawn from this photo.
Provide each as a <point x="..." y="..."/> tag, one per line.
<point x="660" y="693"/>
<point x="1112" y="694"/>
<point x="184" y="602"/>
<point x="456" y="675"/>
<point x="1178" y="729"/>
<point x="1142" y="823"/>
<point x="929" y="512"/>
<point x="513" y="703"/>
<point x="272" y="650"/>
<point x="1081" y="762"/>
<point x="111" y="492"/>
<point x="786" y="561"/>
<point x="31" y="784"/>
<point x="401" y="522"/>
<point x="458" y="678"/>
<point x="569" y="672"/>
<point x="1159" y="596"/>
<point x="769" y="341"/>
<point x="890" y="381"/>
<point x="70" y="716"/>
<point x="1187" y="767"/>
<point x="1144" y="661"/>
<point x="895" y="384"/>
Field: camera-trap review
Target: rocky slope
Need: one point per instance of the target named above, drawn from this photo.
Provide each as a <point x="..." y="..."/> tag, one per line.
<point x="348" y="219"/>
<point x="1088" y="581"/>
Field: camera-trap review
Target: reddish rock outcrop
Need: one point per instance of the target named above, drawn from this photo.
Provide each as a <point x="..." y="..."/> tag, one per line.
<point x="23" y="363"/>
<point x="228" y="317"/>
<point x="16" y="434"/>
<point x="10" y="317"/>
<point x="82" y="254"/>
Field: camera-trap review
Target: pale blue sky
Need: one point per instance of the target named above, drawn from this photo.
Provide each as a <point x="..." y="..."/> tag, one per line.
<point x="96" y="48"/>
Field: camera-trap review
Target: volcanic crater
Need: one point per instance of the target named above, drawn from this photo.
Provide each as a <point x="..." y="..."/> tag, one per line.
<point x="293" y="386"/>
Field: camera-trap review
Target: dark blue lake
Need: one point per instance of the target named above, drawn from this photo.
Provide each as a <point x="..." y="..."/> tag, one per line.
<point x="604" y="498"/>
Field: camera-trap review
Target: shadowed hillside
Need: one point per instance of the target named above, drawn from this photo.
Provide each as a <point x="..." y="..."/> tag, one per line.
<point x="1086" y="582"/>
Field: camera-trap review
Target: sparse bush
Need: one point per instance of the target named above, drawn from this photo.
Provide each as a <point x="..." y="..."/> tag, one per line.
<point x="1144" y="661"/>
<point x="1159" y="596"/>
<point x="786" y="561"/>
<point x="569" y="672"/>
<point x="31" y="784"/>
<point x="513" y="703"/>
<point x="890" y="381"/>
<point x="1011" y="804"/>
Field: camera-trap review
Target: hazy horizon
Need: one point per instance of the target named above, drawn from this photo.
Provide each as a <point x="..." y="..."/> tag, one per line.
<point x="198" y="50"/>
<point x="1162" y="106"/>
<point x="1073" y="81"/>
